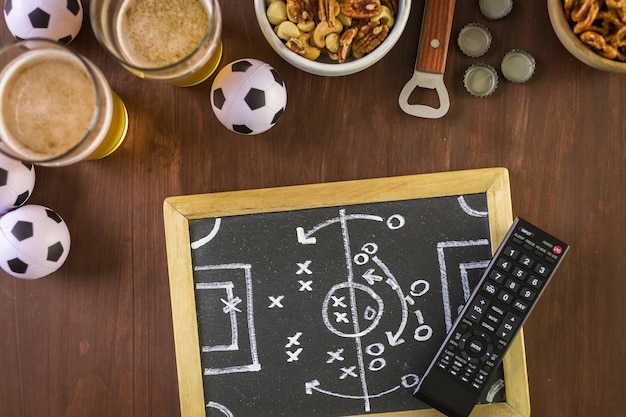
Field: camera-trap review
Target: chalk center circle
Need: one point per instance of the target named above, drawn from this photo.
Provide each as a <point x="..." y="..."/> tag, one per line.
<point x="342" y="312"/>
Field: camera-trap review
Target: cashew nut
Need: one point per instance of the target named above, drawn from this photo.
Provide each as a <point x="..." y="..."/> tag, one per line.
<point x="310" y="52"/>
<point x="276" y="12"/>
<point x="385" y="17"/>
<point x="345" y="20"/>
<point x="287" y="30"/>
<point x="307" y="26"/>
<point x="332" y="43"/>
<point x="323" y="29"/>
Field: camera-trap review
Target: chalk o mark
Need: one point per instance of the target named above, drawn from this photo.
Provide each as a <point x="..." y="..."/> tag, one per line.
<point x="470" y="211"/>
<point x="395" y="222"/>
<point x="351" y="286"/>
<point x="221" y="408"/>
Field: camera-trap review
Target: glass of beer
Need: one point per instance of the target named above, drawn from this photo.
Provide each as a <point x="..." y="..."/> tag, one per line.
<point x="177" y="41"/>
<point x="56" y="107"/>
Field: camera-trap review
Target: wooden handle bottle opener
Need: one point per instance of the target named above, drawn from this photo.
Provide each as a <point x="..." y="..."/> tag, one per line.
<point x="430" y="63"/>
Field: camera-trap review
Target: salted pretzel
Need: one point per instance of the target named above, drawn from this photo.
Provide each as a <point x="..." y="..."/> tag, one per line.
<point x="600" y="24"/>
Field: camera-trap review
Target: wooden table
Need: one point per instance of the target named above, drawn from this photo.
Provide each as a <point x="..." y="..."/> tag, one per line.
<point x="95" y="339"/>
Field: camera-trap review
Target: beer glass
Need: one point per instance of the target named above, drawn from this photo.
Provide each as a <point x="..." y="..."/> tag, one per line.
<point x="56" y="107"/>
<point x="177" y="41"/>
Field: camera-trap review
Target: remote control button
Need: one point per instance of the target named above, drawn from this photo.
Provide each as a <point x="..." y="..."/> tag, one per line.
<point x="520" y="306"/>
<point x="512" y="285"/>
<point x="496" y="276"/>
<point x="519" y="273"/>
<point x="509" y="326"/>
<point x="494" y="318"/>
<point x="489" y="326"/>
<point x="505" y="297"/>
<point x="550" y="258"/>
<point x="535" y="282"/>
<point x="526" y="261"/>
<point x="477" y="309"/>
<point x="511" y="252"/>
<point x="490" y="288"/>
<point x="504" y="264"/>
<point x="477" y="344"/>
<point x="497" y="310"/>
<point x="542" y="270"/>
<point x="527" y="294"/>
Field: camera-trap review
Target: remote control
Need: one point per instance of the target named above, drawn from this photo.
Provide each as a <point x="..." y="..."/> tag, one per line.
<point x="494" y="313"/>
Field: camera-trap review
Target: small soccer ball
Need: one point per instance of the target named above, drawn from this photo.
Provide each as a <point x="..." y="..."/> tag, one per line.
<point x="248" y="96"/>
<point x="34" y="242"/>
<point x="59" y="20"/>
<point x="17" y="180"/>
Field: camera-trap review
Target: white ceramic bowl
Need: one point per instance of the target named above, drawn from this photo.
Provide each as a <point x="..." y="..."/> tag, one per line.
<point x="574" y="45"/>
<point x="324" y="65"/>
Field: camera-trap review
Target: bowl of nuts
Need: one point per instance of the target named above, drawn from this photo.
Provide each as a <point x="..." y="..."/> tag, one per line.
<point x="594" y="31"/>
<point x="332" y="37"/>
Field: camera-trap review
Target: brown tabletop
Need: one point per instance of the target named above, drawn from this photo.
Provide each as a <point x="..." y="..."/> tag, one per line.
<point x="95" y="338"/>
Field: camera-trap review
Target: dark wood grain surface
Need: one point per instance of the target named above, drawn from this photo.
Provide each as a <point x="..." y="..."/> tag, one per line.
<point x="95" y="338"/>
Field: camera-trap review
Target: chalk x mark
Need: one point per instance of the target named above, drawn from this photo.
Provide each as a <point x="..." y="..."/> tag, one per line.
<point x="201" y="242"/>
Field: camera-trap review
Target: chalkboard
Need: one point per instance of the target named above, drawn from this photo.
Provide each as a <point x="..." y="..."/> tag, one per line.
<point x="330" y="300"/>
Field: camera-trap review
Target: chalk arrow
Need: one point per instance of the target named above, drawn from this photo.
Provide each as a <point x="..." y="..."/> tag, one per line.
<point x="306" y="238"/>
<point x="370" y="277"/>
<point x="395" y="339"/>
<point x="310" y="386"/>
<point x="303" y="238"/>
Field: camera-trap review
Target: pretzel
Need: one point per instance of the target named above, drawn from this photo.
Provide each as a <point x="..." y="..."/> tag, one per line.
<point x="599" y="24"/>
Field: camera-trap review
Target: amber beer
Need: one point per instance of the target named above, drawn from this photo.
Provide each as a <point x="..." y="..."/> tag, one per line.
<point x="172" y="40"/>
<point x="56" y="107"/>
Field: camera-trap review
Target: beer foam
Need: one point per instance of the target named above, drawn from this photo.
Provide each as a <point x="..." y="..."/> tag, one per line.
<point x="160" y="33"/>
<point x="48" y="101"/>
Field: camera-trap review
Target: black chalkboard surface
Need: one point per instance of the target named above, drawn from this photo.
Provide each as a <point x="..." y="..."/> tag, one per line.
<point x="330" y="300"/>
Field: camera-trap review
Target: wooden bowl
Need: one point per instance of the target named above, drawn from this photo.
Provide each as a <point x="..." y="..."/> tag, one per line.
<point x="574" y="45"/>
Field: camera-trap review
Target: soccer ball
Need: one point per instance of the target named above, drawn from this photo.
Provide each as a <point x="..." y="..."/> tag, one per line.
<point x="59" y="20"/>
<point x="34" y="242"/>
<point x="17" y="180"/>
<point x="248" y="96"/>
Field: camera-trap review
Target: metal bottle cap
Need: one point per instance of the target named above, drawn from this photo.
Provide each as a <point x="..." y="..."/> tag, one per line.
<point x="495" y="9"/>
<point x="480" y="80"/>
<point x="474" y="40"/>
<point x="518" y="66"/>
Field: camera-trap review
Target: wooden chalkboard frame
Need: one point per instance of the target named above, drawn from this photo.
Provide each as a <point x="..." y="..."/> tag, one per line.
<point x="178" y="211"/>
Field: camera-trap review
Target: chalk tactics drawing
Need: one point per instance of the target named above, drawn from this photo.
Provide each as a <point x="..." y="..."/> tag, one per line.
<point x="357" y="301"/>
<point x="230" y="307"/>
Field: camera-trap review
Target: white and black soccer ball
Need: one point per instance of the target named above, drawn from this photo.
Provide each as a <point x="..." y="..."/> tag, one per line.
<point x="34" y="242"/>
<point x="17" y="180"/>
<point x="248" y="96"/>
<point x="59" y="20"/>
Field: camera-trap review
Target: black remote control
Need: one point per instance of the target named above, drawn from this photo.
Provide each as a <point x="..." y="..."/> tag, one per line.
<point x="501" y="302"/>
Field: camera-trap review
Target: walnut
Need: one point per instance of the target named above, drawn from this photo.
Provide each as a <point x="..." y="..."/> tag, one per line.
<point x="328" y="10"/>
<point x="360" y="9"/>
<point x="299" y="11"/>
<point x="345" y="44"/>
<point x="368" y="38"/>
